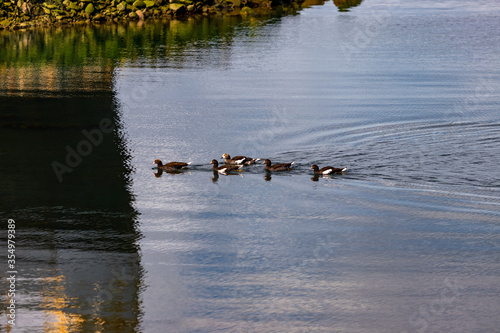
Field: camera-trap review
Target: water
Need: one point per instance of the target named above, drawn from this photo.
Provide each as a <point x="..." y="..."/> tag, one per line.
<point x="406" y="95"/>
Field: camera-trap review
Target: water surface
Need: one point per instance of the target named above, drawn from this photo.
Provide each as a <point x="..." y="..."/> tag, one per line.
<point x="406" y="95"/>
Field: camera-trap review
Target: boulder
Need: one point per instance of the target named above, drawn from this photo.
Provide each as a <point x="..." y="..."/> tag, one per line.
<point x="246" y="11"/>
<point x="25" y="7"/>
<point x="121" y="6"/>
<point x="5" y="23"/>
<point x="89" y="9"/>
<point x="139" y="4"/>
<point x="177" y="8"/>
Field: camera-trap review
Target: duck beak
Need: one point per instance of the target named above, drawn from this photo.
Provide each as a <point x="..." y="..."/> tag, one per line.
<point x="311" y="168"/>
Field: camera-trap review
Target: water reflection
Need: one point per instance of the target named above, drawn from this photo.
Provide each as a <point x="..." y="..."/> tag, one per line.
<point x="316" y="177"/>
<point x="159" y="172"/>
<point x="344" y="5"/>
<point x="151" y="42"/>
<point x="66" y="182"/>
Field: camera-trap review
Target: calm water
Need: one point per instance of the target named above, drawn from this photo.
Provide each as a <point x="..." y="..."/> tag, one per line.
<point x="405" y="94"/>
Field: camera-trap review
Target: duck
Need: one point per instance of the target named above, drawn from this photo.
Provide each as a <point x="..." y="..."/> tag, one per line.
<point x="277" y="167"/>
<point x="225" y="168"/>
<point x="171" y="166"/>
<point x="326" y="170"/>
<point x="239" y="160"/>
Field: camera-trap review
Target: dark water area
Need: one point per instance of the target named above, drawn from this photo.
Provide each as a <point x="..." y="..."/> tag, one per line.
<point x="405" y="95"/>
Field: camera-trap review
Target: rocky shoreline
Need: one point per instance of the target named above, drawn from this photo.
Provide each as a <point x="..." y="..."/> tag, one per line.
<point x="21" y="14"/>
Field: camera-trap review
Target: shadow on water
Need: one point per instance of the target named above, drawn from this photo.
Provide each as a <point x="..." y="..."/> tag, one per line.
<point x="65" y="181"/>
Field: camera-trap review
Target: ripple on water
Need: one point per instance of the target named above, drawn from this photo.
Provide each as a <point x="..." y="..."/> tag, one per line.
<point x="461" y="154"/>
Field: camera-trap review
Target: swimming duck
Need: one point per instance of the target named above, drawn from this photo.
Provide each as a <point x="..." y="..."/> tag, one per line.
<point x="277" y="167"/>
<point x="171" y="166"/>
<point x="225" y="168"/>
<point x="326" y="170"/>
<point x="239" y="159"/>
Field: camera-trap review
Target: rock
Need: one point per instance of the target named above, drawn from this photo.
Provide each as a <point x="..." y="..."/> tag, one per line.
<point x="89" y="9"/>
<point x="177" y="8"/>
<point x="132" y="15"/>
<point x="139" y="4"/>
<point x="49" y="6"/>
<point x="5" y="23"/>
<point x="121" y="6"/>
<point x="73" y="6"/>
<point x="149" y="3"/>
<point x="246" y="11"/>
<point x="190" y="8"/>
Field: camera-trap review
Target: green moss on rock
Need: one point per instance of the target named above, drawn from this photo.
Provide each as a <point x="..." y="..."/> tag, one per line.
<point x="89" y="9"/>
<point x="122" y="6"/>
<point x="139" y="4"/>
<point x="246" y="11"/>
<point x="177" y="8"/>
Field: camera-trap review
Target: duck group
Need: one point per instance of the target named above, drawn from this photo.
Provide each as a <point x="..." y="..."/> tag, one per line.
<point x="237" y="163"/>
